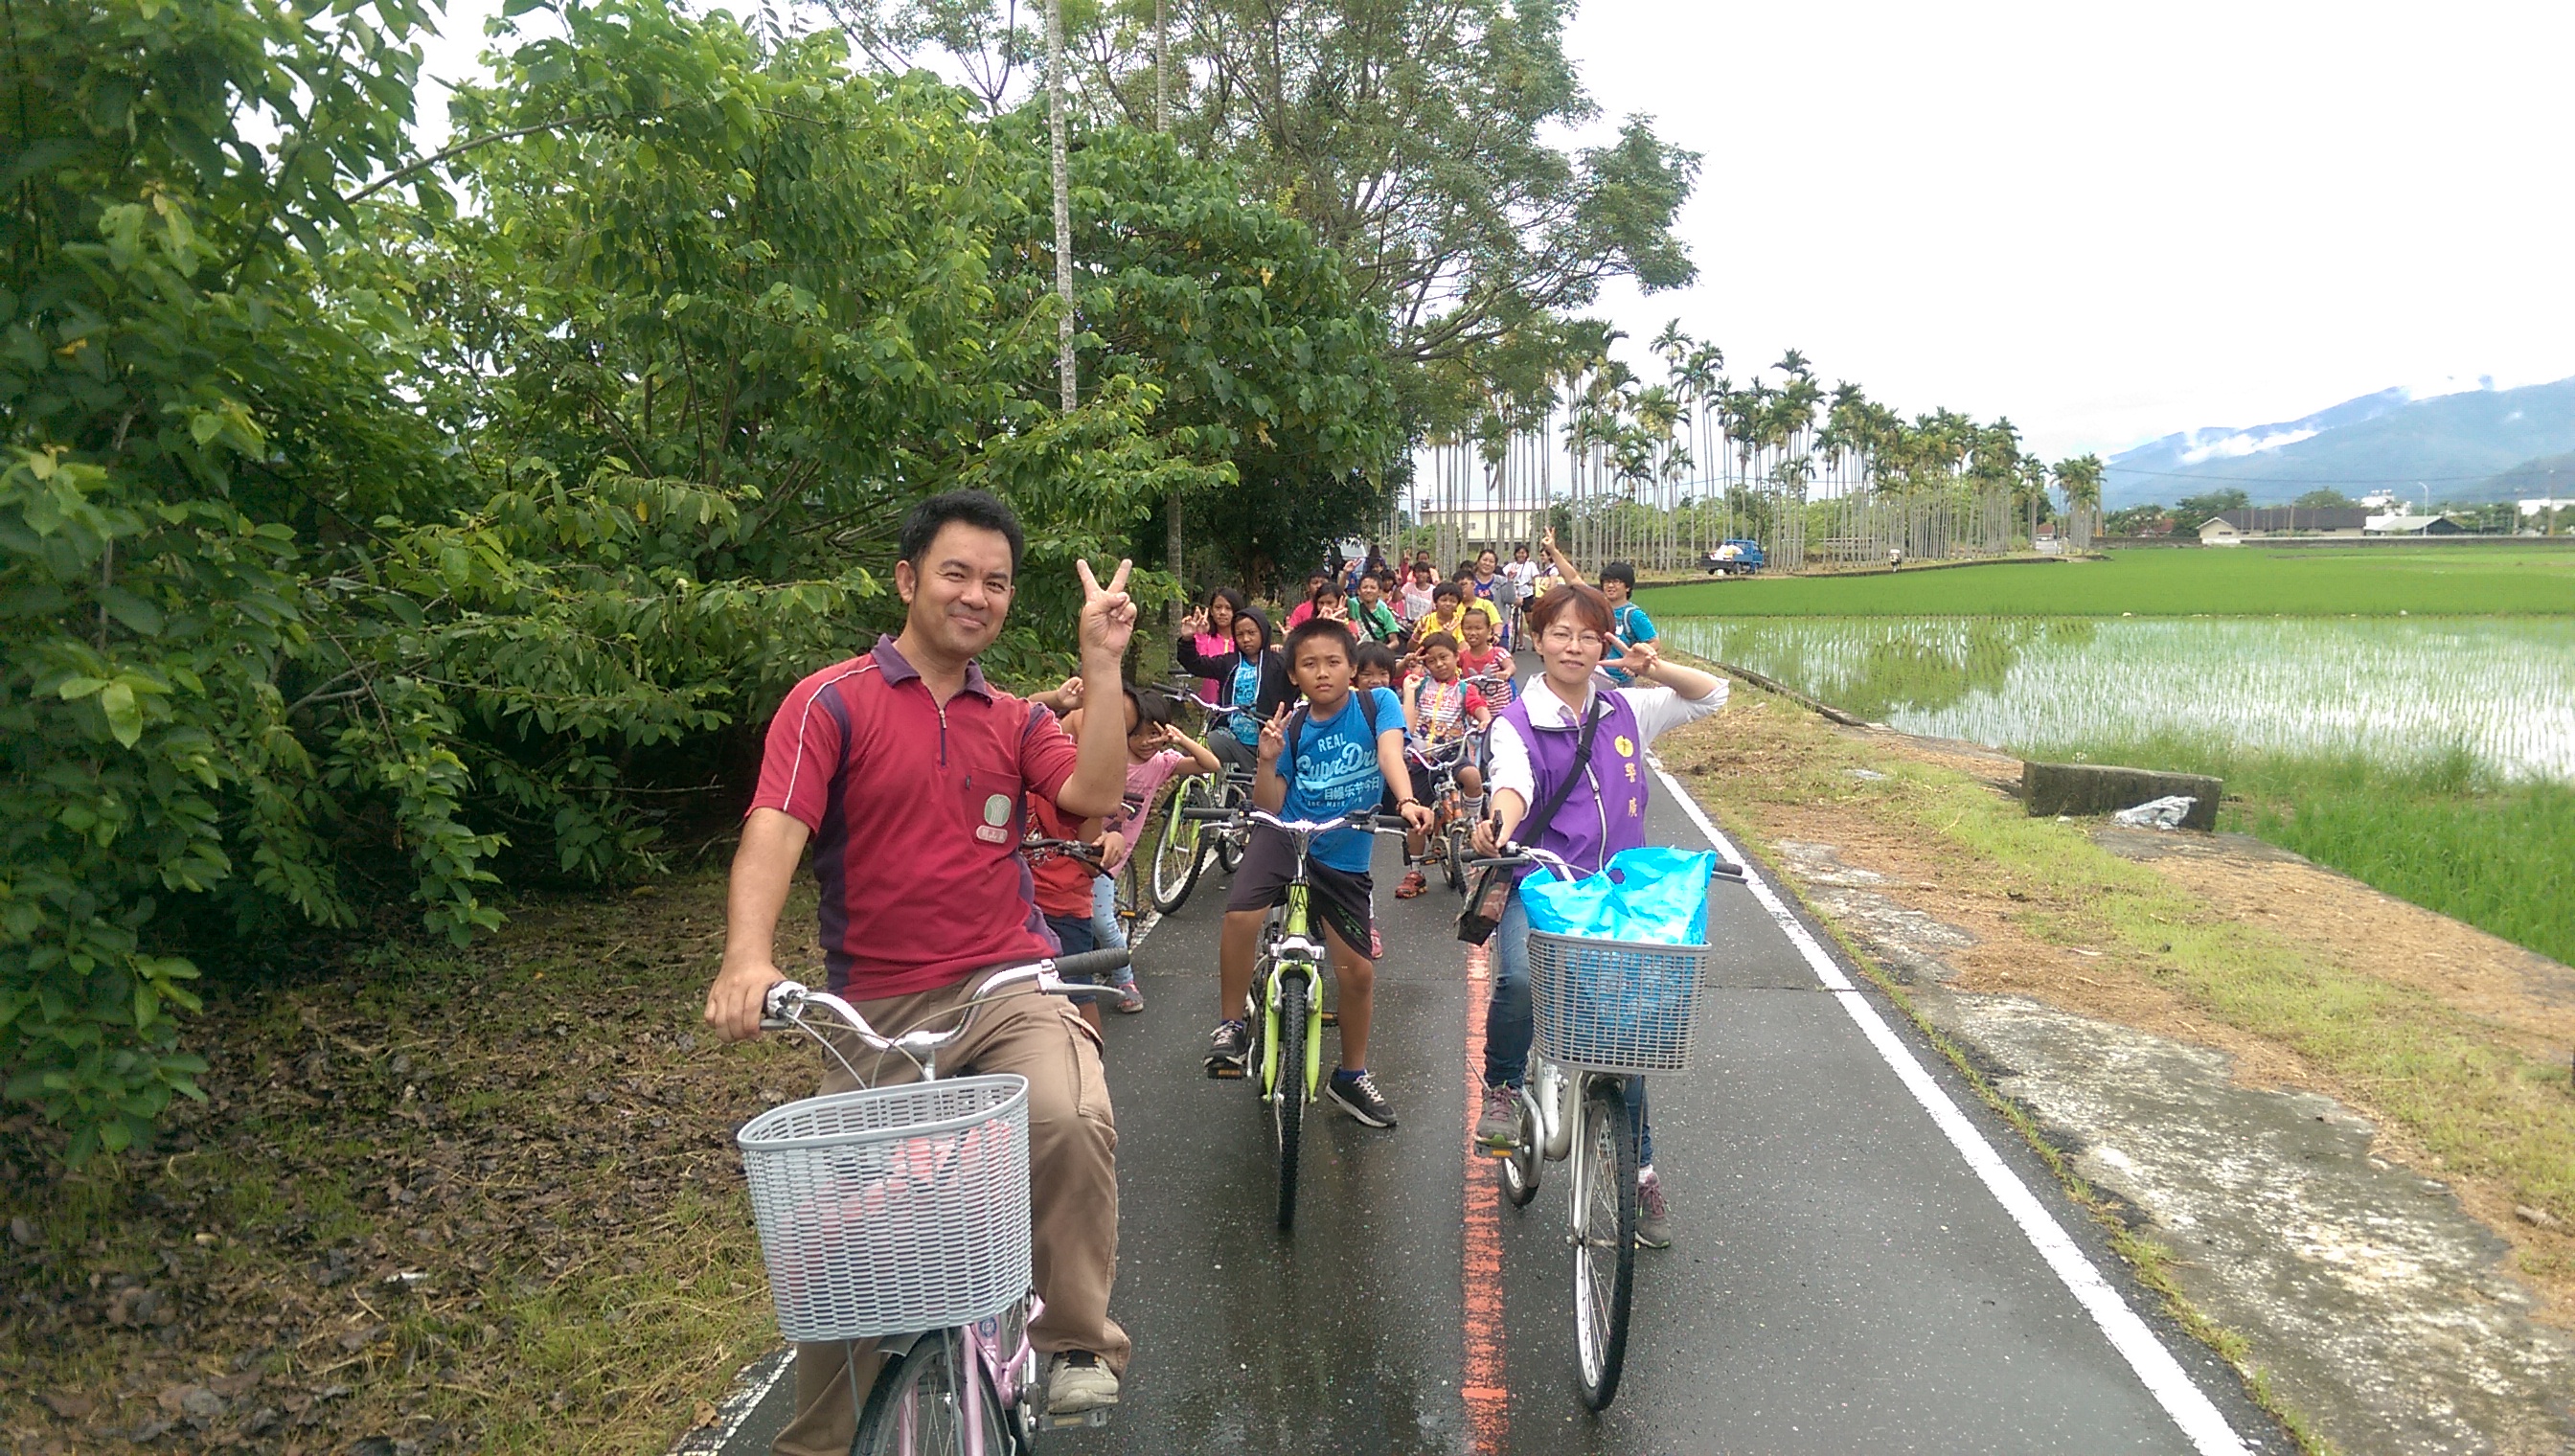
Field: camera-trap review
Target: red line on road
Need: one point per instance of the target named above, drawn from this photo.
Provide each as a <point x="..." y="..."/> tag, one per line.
<point x="1488" y="1414"/>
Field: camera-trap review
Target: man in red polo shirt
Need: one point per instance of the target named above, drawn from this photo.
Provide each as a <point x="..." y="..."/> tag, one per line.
<point x="905" y="771"/>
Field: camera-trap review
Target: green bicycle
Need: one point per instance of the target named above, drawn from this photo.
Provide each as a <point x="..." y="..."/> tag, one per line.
<point x="1284" y="1009"/>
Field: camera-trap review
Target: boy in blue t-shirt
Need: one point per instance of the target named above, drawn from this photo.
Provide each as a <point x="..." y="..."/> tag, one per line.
<point x="1628" y="621"/>
<point x="1348" y="749"/>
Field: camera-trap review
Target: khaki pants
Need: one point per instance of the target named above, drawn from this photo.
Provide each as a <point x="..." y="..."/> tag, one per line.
<point x="1073" y="1187"/>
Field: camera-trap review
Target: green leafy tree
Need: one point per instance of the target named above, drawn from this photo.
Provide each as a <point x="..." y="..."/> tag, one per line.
<point x="2194" y="511"/>
<point x="1268" y="368"/>
<point x="188" y="360"/>
<point x="2324" y="499"/>
<point x="348" y="545"/>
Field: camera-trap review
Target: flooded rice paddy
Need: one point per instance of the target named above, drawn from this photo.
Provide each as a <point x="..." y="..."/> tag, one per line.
<point x="2502" y="689"/>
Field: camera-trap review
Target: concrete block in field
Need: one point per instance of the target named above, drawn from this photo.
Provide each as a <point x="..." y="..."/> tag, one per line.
<point x="2100" y="788"/>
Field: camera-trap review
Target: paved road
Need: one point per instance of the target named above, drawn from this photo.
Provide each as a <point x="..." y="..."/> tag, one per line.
<point x="1840" y="1280"/>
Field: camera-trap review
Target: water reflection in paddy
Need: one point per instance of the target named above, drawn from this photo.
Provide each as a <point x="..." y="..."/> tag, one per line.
<point x="2503" y="688"/>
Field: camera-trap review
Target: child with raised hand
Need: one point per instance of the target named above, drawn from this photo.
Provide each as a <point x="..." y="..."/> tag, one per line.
<point x="1439" y="707"/>
<point x="1485" y="662"/>
<point x="1349" y="748"/>
<point x="1372" y="621"/>
<point x="1253" y="677"/>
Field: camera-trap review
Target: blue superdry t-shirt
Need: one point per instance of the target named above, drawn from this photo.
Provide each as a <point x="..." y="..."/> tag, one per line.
<point x="1247" y="691"/>
<point x="1336" y="773"/>
<point x="1634" y="626"/>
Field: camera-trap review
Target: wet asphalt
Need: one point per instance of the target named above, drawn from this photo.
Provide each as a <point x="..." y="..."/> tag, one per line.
<point x="1838" y="1282"/>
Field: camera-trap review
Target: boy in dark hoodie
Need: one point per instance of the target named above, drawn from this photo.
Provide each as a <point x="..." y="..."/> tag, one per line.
<point x="1254" y="677"/>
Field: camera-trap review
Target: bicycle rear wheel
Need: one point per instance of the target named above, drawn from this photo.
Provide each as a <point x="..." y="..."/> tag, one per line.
<point x="1179" y="851"/>
<point x="1288" y="1097"/>
<point x="1230" y="845"/>
<point x="1604" y="1237"/>
<point x="919" y="1405"/>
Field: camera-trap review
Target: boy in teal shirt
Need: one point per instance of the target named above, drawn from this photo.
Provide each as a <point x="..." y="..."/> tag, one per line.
<point x="1347" y="751"/>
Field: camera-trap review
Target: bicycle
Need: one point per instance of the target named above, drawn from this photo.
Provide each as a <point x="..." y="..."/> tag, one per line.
<point x="1284" y="1007"/>
<point x="1442" y="760"/>
<point x="1607" y="1013"/>
<point x="1184" y="843"/>
<point x="901" y="1214"/>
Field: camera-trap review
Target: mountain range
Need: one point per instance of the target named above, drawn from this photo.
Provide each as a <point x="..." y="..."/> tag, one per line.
<point x="2458" y="444"/>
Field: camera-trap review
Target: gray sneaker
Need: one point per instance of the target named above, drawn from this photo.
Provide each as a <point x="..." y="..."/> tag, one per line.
<point x="1076" y="1382"/>
<point x="1653" y="1221"/>
<point x="1358" y="1096"/>
<point x="1498" y="1129"/>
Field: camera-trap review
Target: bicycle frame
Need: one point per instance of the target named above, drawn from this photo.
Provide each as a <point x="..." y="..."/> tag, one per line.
<point x="1295" y="952"/>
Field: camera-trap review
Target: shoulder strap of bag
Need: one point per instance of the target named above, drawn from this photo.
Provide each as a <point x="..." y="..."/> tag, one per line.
<point x="1535" y="825"/>
<point x="1367" y="710"/>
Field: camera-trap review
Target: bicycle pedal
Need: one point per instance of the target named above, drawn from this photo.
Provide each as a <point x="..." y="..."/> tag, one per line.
<point x="1073" y="1420"/>
<point x="1499" y="1152"/>
<point x="1332" y="1018"/>
<point x="1225" y="1074"/>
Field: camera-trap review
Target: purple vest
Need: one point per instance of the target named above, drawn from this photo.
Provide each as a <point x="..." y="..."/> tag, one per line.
<point x="1606" y="812"/>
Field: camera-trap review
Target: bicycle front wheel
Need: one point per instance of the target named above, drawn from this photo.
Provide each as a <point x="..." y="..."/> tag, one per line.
<point x="1604" y="1237"/>
<point x="1288" y="1097"/>
<point x="1180" y="852"/>
<point x="1521" y="1169"/>
<point x="920" y="1405"/>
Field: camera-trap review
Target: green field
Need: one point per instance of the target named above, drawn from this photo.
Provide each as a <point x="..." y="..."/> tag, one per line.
<point x="2248" y="580"/>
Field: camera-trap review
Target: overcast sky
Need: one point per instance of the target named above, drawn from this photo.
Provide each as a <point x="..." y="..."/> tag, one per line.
<point x="2112" y="221"/>
<point x="2106" y="221"/>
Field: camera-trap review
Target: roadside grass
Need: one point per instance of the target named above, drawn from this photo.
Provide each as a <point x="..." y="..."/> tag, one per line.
<point x="2453" y="1086"/>
<point x="465" y="1202"/>
<point x="2442" y="831"/>
<point x="2248" y="580"/>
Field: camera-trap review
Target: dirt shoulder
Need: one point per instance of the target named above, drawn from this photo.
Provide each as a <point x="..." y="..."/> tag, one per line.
<point x="2338" y="1125"/>
<point x="436" y="1201"/>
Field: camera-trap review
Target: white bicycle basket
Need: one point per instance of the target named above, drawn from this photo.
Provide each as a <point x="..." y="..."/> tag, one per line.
<point x="892" y="1210"/>
<point x="1614" y="1005"/>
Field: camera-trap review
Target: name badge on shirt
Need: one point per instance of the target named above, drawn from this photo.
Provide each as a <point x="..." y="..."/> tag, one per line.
<point x="996" y="818"/>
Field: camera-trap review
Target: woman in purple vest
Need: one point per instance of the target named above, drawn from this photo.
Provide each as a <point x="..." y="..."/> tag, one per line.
<point x="1534" y="747"/>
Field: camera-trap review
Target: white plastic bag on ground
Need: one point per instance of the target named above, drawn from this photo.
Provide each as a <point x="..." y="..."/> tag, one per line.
<point x="2160" y="814"/>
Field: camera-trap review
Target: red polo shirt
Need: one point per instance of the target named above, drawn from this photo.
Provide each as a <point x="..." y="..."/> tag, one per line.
<point x="916" y="817"/>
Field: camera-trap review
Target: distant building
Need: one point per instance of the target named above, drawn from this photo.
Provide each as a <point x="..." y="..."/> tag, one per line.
<point x="2414" y="526"/>
<point x="1488" y="525"/>
<point x="2296" y="520"/>
<point x="2218" y="530"/>
<point x="2547" y="504"/>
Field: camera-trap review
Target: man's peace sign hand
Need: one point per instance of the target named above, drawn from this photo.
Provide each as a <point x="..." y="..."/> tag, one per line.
<point x="1108" y="612"/>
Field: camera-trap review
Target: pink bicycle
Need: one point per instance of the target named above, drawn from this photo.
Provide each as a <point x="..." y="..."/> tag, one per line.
<point x="900" y="1214"/>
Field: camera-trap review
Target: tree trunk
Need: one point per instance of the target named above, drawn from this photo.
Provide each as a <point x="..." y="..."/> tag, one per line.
<point x="1062" y="202"/>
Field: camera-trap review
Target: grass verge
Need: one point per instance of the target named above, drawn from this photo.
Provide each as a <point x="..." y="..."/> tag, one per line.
<point x="440" y="1201"/>
<point x="2444" y="833"/>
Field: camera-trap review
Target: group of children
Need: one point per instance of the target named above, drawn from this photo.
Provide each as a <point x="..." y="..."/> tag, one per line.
<point x="1372" y="680"/>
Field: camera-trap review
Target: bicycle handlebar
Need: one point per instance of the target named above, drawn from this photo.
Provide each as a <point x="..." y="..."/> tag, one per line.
<point x="1531" y="854"/>
<point x="783" y="1008"/>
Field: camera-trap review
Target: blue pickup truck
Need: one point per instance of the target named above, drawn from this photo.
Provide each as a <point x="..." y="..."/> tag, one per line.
<point x="1734" y="559"/>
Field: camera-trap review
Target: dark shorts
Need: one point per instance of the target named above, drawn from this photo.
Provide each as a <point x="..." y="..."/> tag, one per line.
<point x="1075" y="934"/>
<point x="1340" y="899"/>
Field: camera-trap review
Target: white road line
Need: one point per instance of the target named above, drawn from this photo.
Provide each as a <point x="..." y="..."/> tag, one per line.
<point x="750" y="1388"/>
<point x="2165" y="1378"/>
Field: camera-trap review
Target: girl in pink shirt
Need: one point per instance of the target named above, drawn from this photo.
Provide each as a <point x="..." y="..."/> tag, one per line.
<point x="1156" y="751"/>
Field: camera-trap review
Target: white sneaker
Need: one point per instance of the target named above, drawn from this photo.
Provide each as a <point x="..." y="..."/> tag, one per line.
<point x="1076" y="1382"/>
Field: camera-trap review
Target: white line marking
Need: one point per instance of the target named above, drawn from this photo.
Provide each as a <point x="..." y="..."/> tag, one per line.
<point x="750" y="1388"/>
<point x="2165" y="1378"/>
